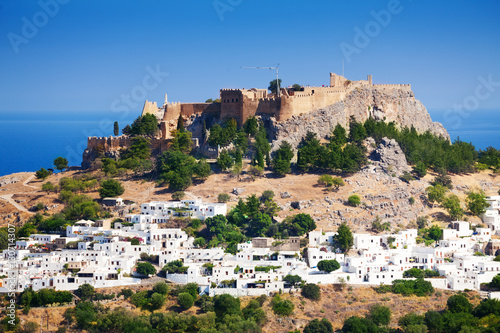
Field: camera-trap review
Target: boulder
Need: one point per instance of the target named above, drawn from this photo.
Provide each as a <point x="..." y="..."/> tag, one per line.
<point x="238" y="190"/>
<point x="389" y="157"/>
<point x="285" y="195"/>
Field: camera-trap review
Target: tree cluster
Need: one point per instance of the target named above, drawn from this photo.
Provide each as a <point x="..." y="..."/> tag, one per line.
<point x="143" y="125"/>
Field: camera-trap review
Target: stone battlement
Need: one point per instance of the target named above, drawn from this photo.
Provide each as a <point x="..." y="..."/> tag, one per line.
<point x="240" y="104"/>
<point x="406" y="87"/>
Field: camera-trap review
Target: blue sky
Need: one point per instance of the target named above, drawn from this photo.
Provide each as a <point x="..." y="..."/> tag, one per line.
<point x="90" y="54"/>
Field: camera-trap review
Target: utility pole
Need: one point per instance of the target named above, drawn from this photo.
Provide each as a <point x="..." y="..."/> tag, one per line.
<point x="278" y="90"/>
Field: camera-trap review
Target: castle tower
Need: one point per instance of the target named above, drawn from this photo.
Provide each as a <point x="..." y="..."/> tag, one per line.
<point x="370" y="83"/>
<point x="166" y="100"/>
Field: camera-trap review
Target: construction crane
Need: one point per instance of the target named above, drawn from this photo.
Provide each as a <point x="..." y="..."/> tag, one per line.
<point x="277" y="79"/>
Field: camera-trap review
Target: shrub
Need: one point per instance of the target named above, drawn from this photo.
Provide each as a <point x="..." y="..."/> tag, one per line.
<point x="317" y="326"/>
<point x="325" y="180"/>
<point x="328" y="266"/>
<point x="161" y="288"/>
<point x="85" y="291"/>
<point x="223" y="197"/>
<point x="267" y="195"/>
<point x="282" y="307"/>
<point x="145" y="268"/>
<point x="418" y="287"/>
<point x="311" y="291"/>
<point x="42" y="174"/>
<point x="111" y="188"/>
<point x="380" y="315"/>
<point x="354" y="200"/>
<point x="458" y="304"/>
<point x="126" y="293"/>
<point x="178" y="195"/>
<point x="185" y="300"/>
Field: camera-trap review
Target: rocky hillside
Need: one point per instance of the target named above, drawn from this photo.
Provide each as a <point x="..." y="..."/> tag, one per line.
<point x="389" y="105"/>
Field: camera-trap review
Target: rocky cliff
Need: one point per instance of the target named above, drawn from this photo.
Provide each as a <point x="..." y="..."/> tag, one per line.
<point x="381" y="104"/>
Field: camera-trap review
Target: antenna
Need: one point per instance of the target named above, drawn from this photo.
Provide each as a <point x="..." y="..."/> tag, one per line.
<point x="277" y="79"/>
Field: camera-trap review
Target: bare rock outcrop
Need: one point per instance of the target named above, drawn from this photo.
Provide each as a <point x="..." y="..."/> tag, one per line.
<point x="389" y="105"/>
<point x="389" y="157"/>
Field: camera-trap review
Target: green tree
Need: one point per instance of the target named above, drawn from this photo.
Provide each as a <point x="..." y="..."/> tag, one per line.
<point x="143" y="125"/>
<point x="458" y="304"/>
<point x="339" y="135"/>
<point x="274" y="85"/>
<point x="421" y="222"/>
<point x="356" y="324"/>
<point x="282" y="157"/>
<point x="434" y="321"/>
<point x="160" y="288"/>
<point x="495" y="282"/>
<point x="317" y="326"/>
<point x="140" y="149"/>
<point x="354" y="200"/>
<point x="200" y="242"/>
<point x="380" y="315"/>
<point x="251" y="126"/>
<point x="293" y="280"/>
<point x="48" y="187"/>
<point x="357" y="131"/>
<point x="281" y="307"/>
<point x="202" y="169"/>
<point x="300" y="224"/>
<point x="412" y="321"/>
<point x="181" y="141"/>
<point x="476" y="203"/>
<point x="185" y="300"/>
<point x="436" y="193"/>
<point x="420" y="169"/>
<point x="223" y="197"/>
<point x="453" y="207"/>
<point x="328" y="266"/>
<point x="226" y="305"/>
<point x="297" y="87"/>
<point x="337" y="183"/>
<point x="442" y="179"/>
<point x="241" y="141"/>
<point x="180" y="124"/>
<point x="225" y="160"/>
<point x="378" y="226"/>
<point x="145" y="268"/>
<point x="311" y="291"/>
<point x="344" y="238"/>
<point x="325" y="180"/>
<point x="435" y="232"/>
<point x="42" y="174"/>
<point x="61" y="163"/>
<point x="110" y="188"/>
<point x="178" y="195"/>
<point x="85" y="291"/>
<point x="116" y="129"/>
<point x="157" y="301"/>
<point x="176" y="169"/>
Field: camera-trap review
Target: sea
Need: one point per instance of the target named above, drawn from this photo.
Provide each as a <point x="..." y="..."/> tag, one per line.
<point x="32" y="140"/>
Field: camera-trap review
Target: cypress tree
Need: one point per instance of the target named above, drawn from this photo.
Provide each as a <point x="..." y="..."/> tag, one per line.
<point x="180" y="124"/>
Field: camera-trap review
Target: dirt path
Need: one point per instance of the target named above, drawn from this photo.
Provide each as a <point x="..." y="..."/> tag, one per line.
<point x="30" y="178"/>
<point x="9" y="199"/>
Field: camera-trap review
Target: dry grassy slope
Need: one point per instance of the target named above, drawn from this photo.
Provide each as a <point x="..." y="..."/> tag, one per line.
<point x="383" y="195"/>
<point x="335" y="305"/>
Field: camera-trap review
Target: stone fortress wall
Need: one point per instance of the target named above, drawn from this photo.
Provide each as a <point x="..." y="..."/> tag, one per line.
<point x="241" y="104"/>
<point x="98" y="143"/>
